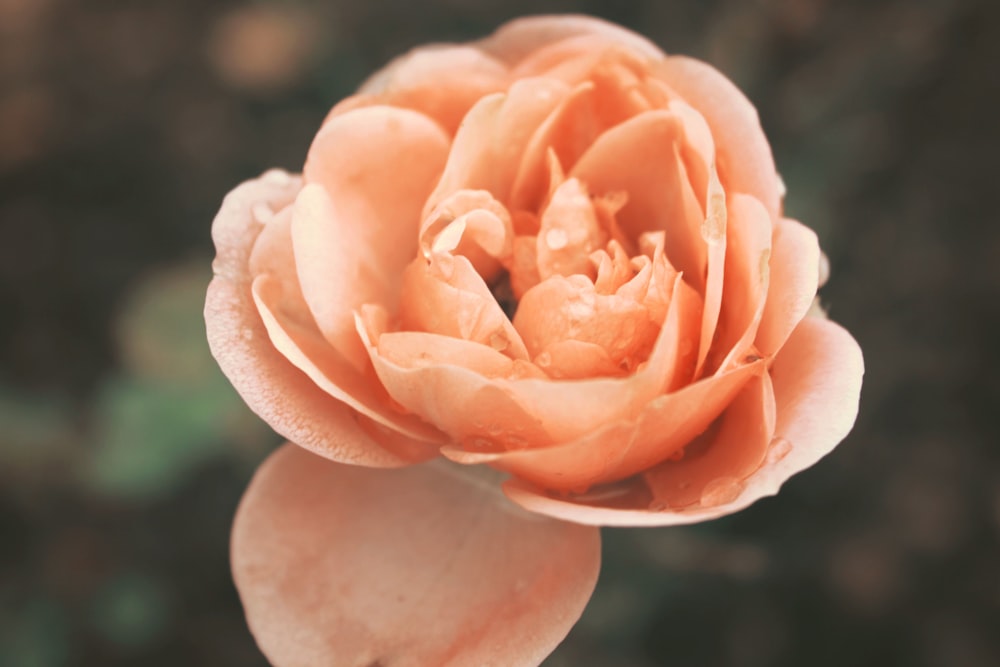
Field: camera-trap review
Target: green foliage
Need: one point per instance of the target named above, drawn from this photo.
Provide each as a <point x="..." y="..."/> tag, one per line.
<point x="170" y="410"/>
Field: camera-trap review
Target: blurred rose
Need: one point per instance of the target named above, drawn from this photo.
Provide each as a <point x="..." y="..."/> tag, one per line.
<point x="557" y="252"/>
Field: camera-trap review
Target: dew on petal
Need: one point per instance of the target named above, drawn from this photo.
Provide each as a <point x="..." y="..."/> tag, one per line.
<point x="720" y="491"/>
<point x="557" y="239"/>
<point x="778" y="449"/>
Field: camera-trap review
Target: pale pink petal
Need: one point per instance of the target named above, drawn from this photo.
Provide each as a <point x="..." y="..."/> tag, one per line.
<point x="273" y="388"/>
<point x="521" y="37"/>
<point x="743" y="153"/>
<point x="442" y="81"/>
<point x="342" y="565"/>
<point x="645" y="154"/>
<point x="376" y="166"/>
<point x="817" y="384"/>
<point x="795" y="272"/>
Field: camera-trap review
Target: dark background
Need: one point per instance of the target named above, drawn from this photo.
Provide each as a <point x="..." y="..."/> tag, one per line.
<point x="123" y="452"/>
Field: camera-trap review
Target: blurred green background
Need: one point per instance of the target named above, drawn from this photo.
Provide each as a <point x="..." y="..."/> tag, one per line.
<point x="123" y="452"/>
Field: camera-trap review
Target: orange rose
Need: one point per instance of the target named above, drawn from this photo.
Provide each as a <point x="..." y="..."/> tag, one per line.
<point x="557" y="252"/>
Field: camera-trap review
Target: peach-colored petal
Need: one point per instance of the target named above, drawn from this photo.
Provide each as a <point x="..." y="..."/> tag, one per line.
<point x="376" y="166"/>
<point x="273" y="388"/>
<point x="617" y="73"/>
<point x="713" y="232"/>
<point x="621" y="449"/>
<point x="642" y="158"/>
<point x="442" y="81"/>
<point x="472" y="407"/>
<point x="569" y="410"/>
<point x="474" y="224"/>
<point x="743" y="153"/>
<point x="748" y="249"/>
<point x="717" y="462"/>
<point x="569" y="232"/>
<point x="558" y="140"/>
<point x="561" y="309"/>
<point x="415" y="349"/>
<point x="817" y="384"/>
<point x="302" y="345"/>
<point x="521" y="37"/>
<point x="492" y="139"/>
<point x="341" y="565"/>
<point x="795" y="268"/>
<point x="444" y="294"/>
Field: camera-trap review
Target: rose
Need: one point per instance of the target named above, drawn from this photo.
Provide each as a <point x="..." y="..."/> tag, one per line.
<point x="662" y="364"/>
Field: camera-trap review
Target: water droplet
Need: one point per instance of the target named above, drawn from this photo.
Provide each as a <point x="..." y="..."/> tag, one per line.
<point x="778" y="449"/>
<point x="499" y="341"/>
<point x="557" y="239"/>
<point x="479" y="443"/>
<point x="494" y="429"/>
<point x="544" y="359"/>
<point x="514" y="441"/>
<point x="721" y="491"/>
<point x="247" y="334"/>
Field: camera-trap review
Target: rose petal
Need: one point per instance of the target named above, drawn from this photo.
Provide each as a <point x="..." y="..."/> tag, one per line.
<point x="795" y="266"/>
<point x="283" y="396"/>
<point x="302" y="345"/>
<point x="566" y="133"/>
<point x="645" y="154"/>
<point x="468" y="404"/>
<point x="713" y="233"/>
<point x="442" y="82"/>
<point x="445" y="295"/>
<point x="718" y="461"/>
<point x="744" y="295"/>
<point x="491" y="141"/>
<point x="376" y="166"/>
<point x="521" y="37"/>
<point x="817" y="384"/>
<point x="621" y="449"/>
<point x="743" y="153"/>
<point x="424" y="566"/>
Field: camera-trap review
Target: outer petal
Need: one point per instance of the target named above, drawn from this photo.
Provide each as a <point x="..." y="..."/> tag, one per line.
<point x="376" y="166"/>
<point x="283" y="396"/>
<point x="627" y="447"/>
<point x="521" y="37"/>
<point x="744" y="155"/>
<point x="341" y="565"/>
<point x="441" y="81"/>
<point x="794" y="276"/>
<point x="817" y="384"/>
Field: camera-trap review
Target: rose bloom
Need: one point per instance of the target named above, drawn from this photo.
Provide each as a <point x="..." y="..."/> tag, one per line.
<point x="556" y="256"/>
